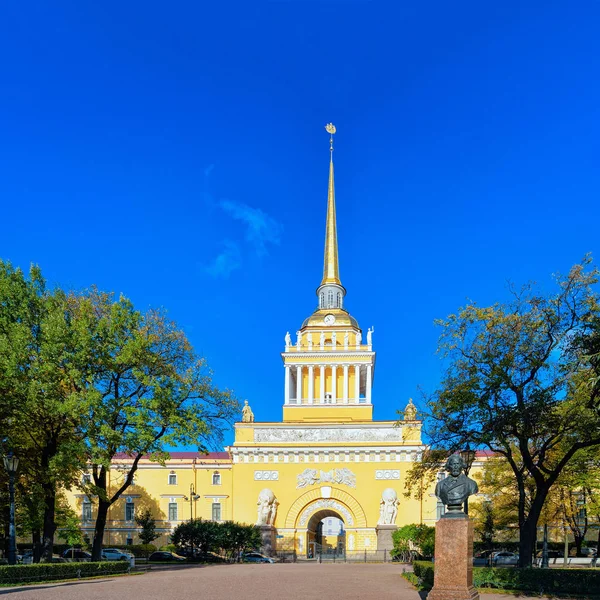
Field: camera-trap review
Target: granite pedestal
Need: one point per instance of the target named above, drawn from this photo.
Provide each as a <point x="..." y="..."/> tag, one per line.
<point x="453" y="578"/>
<point x="268" y="539"/>
<point x="384" y="537"/>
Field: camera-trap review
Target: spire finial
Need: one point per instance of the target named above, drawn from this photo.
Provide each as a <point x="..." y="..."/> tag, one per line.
<point x="330" y="128"/>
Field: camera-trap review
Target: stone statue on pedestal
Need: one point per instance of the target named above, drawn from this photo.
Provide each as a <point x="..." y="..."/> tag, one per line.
<point x="358" y="338"/>
<point x="370" y="335"/>
<point x="388" y="507"/>
<point x="410" y="412"/>
<point x="456" y="488"/>
<point x="298" y="339"/>
<point x="288" y="340"/>
<point x="247" y="414"/>
<point x="267" y="507"/>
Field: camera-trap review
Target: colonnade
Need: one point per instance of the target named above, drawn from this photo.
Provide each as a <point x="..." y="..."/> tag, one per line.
<point x="332" y="395"/>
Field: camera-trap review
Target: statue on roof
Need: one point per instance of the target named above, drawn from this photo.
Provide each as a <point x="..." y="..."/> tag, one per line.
<point x="410" y="412"/>
<point x="247" y="414"/>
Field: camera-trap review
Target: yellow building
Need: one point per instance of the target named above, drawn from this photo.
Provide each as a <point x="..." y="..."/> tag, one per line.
<point x="326" y="458"/>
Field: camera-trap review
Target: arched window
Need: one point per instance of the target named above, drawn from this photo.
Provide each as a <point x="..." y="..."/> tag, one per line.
<point x="330" y="299"/>
<point x="216" y="478"/>
<point x="339" y="301"/>
<point x="322" y="299"/>
<point x="172" y="478"/>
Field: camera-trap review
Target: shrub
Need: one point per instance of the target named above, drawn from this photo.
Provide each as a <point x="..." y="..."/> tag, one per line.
<point x="424" y="571"/>
<point x="540" y="581"/>
<point x="55" y="571"/>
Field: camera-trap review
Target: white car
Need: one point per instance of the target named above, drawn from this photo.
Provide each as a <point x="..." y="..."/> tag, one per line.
<point x="115" y="554"/>
<point x="505" y="559"/>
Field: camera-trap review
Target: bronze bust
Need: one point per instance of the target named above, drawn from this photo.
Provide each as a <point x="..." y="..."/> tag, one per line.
<point x="456" y="488"/>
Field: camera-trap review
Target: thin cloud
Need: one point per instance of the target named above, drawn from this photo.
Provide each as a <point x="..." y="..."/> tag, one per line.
<point x="229" y="260"/>
<point x="261" y="229"/>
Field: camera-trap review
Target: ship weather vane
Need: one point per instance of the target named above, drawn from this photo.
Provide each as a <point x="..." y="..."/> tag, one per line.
<point x="330" y="128"/>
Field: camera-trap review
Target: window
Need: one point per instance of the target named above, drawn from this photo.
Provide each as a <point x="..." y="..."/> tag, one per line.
<point x="216" y="511"/>
<point x="339" y="301"/>
<point x="330" y="299"/>
<point x="86" y="479"/>
<point x="322" y="300"/>
<point x="172" y="511"/>
<point x="172" y="478"/>
<point x="86" y="511"/>
<point x="440" y="510"/>
<point x="129" y="540"/>
<point x="129" y="511"/>
<point x="216" y="478"/>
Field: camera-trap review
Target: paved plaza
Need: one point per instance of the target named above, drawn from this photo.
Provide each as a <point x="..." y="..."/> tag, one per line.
<point x="303" y="581"/>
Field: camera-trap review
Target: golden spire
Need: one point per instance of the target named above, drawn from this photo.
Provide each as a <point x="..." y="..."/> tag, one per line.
<point x="331" y="269"/>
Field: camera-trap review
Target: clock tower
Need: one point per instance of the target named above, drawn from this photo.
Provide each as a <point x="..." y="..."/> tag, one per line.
<point x="329" y="370"/>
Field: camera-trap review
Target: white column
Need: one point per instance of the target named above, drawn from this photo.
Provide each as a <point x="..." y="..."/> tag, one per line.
<point x="311" y="385"/>
<point x="369" y="382"/>
<point x="322" y="384"/>
<point x="333" y="383"/>
<point x="357" y="384"/>
<point x="345" y="384"/>
<point x="298" y="384"/>
<point x="286" y="384"/>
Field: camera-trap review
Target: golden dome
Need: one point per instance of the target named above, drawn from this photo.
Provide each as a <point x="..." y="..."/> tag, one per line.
<point x="342" y="319"/>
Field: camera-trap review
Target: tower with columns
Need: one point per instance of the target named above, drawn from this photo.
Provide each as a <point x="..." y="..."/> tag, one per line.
<point x="329" y="370"/>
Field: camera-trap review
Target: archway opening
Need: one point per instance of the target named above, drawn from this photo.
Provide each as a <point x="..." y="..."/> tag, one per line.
<point x="325" y="535"/>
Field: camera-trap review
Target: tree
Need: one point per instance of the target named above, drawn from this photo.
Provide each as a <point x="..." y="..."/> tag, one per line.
<point x="146" y="522"/>
<point x="197" y="533"/>
<point x="411" y="540"/>
<point x="41" y="376"/>
<point x="520" y="382"/>
<point x="148" y="391"/>
<point x="234" y="539"/>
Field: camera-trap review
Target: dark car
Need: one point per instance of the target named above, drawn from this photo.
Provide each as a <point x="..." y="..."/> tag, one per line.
<point x="165" y="557"/>
<point x="77" y="555"/>
<point x="256" y="557"/>
<point x="551" y="554"/>
<point x="483" y="559"/>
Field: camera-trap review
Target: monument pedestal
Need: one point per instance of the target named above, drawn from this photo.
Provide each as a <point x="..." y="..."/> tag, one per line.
<point x="268" y="539"/>
<point x="384" y="537"/>
<point x="453" y="578"/>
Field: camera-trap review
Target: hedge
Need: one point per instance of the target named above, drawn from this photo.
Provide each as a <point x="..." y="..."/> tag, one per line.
<point x="54" y="571"/>
<point x="541" y="581"/>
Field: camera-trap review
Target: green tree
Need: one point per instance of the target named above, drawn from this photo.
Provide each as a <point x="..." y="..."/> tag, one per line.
<point x="41" y="378"/>
<point x="197" y="533"/>
<point x="234" y="539"/>
<point x="147" y="525"/>
<point x="148" y="391"/>
<point x="520" y="382"/>
<point x="413" y="541"/>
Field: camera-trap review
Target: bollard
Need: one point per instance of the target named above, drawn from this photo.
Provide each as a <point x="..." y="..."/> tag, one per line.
<point x="132" y="562"/>
<point x="365" y="555"/>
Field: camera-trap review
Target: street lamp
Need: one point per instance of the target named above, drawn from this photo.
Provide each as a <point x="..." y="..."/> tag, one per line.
<point x="11" y="464"/>
<point x="192" y="498"/>
<point x="468" y="456"/>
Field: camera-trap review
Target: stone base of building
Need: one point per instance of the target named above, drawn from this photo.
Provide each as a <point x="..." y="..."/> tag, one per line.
<point x="268" y="535"/>
<point x="384" y="537"/>
<point x="453" y="579"/>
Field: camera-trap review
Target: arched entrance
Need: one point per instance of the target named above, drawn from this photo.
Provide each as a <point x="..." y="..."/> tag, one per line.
<point x="308" y="511"/>
<point x="325" y="534"/>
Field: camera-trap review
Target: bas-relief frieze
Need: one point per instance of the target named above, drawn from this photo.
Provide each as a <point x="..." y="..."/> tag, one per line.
<point x="321" y="504"/>
<point x="379" y="434"/>
<point x="313" y="476"/>
<point x="266" y="475"/>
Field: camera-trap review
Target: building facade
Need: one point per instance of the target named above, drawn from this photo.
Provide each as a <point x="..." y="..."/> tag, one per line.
<point x="325" y="459"/>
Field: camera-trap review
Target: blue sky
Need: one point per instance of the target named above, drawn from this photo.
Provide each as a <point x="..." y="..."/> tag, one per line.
<point x="175" y="152"/>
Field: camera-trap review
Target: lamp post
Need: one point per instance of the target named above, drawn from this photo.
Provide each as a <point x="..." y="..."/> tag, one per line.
<point x="192" y="498"/>
<point x="11" y="464"/>
<point x="468" y="456"/>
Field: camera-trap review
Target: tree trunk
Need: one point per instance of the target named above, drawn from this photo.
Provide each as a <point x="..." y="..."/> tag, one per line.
<point x="49" y="528"/>
<point x="528" y="528"/>
<point x="36" y="536"/>
<point x="101" y="518"/>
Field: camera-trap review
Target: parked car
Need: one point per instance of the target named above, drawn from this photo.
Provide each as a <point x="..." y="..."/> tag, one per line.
<point x="58" y="559"/>
<point x="483" y="559"/>
<point x="27" y="558"/>
<point x="115" y="554"/>
<point x="505" y="559"/>
<point x="256" y="557"/>
<point x="162" y="556"/>
<point x="77" y="555"/>
<point x="589" y="551"/>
